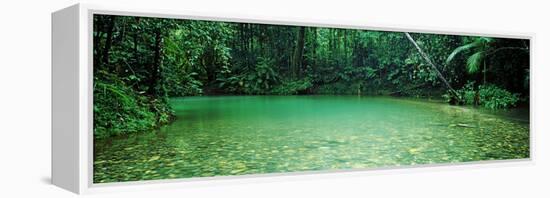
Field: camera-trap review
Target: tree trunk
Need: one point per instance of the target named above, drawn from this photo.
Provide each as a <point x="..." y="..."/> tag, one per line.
<point x="251" y="37"/>
<point x="313" y="62"/>
<point x="484" y="72"/>
<point x="299" y="51"/>
<point x="135" y="48"/>
<point x="96" y="43"/>
<point x="135" y="53"/>
<point x="108" y="40"/>
<point x="155" y="70"/>
<point x="429" y="61"/>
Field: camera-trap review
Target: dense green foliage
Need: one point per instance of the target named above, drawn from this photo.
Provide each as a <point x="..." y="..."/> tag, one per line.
<point x="139" y="62"/>
<point x="118" y="109"/>
<point x="493" y="97"/>
<point x="489" y="96"/>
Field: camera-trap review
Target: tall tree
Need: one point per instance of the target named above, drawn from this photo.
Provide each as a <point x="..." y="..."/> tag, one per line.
<point x="157" y="63"/>
<point x="298" y="53"/>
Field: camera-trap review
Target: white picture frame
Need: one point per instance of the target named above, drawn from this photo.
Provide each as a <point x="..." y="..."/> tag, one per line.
<point x="72" y="133"/>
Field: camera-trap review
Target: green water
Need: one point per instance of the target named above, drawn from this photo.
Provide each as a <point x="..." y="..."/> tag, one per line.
<point x="236" y="135"/>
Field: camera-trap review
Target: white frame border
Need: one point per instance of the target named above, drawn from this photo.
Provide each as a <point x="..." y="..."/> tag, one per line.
<point x="85" y="93"/>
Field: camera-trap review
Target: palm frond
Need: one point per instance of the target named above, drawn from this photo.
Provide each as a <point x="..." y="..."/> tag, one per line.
<point x="474" y="62"/>
<point x="463" y="48"/>
<point x="487" y="40"/>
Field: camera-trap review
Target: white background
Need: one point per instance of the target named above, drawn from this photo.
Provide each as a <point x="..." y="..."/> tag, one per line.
<point x="25" y="97"/>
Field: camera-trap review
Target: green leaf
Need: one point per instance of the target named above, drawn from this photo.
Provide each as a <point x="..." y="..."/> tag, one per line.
<point x="474" y="61"/>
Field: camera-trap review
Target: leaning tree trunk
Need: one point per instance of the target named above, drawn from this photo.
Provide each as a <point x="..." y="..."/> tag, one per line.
<point x="429" y="61"/>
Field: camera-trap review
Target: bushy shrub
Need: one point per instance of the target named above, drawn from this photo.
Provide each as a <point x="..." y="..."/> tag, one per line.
<point x="335" y="88"/>
<point x="468" y="93"/>
<point x="118" y="109"/>
<point x="257" y="80"/>
<point x="489" y="96"/>
<point x="184" y="84"/>
<point x="261" y="79"/>
<point x="291" y="87"/>
<point x="493" y="97"/>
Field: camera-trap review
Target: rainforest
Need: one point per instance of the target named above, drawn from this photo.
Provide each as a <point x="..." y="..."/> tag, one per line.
<point x="179" y="98"/>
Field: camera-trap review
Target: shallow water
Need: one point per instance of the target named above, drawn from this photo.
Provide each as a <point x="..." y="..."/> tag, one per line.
<point x="236" y="135"/>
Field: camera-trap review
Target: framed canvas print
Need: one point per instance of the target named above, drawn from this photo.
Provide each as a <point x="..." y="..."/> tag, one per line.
<point x="166" y="98"/>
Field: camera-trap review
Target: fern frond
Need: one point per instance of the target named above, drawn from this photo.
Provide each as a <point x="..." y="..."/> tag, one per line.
<point x="474" y="62"/>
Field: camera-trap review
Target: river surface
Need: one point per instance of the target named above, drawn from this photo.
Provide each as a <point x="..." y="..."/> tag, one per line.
<point x="237" y="135"/>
